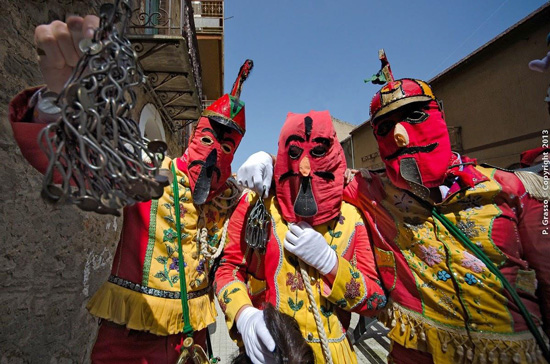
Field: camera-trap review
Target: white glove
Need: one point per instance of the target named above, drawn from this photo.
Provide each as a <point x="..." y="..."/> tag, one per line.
<point x="310" y="246"/>
<point x="258" y="342"/>
<point x="256" y="172"/>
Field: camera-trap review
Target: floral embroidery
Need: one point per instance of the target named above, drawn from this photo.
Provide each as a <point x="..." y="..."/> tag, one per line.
<point x="341" y="219"/>
<point x="352" y="290"/>
<point x="334" y="234"/>
<point x="468" y="228"/>
<point x="402" y="202"/>
<point x="470" y="279"/>
<point x="201" y="268"/>
<point x="183" y="210"/>
<point x="169" y="235"/>
<point x="376" y="301"/>
<point x="430" y="255"/>
<point x="341" y="303"/>
<point x="443" y="275"/>
<point x="295" y="306"/>
<point x="213" y="240"/>
<point x="175" y="264"/>
<point x="295" y="282"/>
<point x="472" y="262"/>
<point x="327" y="312"/>
<point x="224" y="300"/>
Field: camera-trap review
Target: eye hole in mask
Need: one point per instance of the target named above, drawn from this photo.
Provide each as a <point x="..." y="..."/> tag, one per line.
<point x="227" y="149"/>
<point x="319" y="151"/>
<point x="416" y="117"/>
<point x="294" y="152"/>
<point x="384" y="128"/>
<point x="206" y="140"/>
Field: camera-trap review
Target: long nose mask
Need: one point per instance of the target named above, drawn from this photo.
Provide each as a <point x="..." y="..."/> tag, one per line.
<point x="204" y="181"/>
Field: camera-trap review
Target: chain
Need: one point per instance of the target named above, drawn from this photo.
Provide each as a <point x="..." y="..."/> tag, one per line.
<point x="95" y="148"/>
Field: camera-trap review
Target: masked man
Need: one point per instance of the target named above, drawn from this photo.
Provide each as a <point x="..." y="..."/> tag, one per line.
<point x="309" y="224"/>
<point x="445" y="305"/>
<point x="141" y="304"/>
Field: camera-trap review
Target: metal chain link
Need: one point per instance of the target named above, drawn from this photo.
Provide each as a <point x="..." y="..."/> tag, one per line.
<point x="95" y="147"/>
<point x="257" y="225"/>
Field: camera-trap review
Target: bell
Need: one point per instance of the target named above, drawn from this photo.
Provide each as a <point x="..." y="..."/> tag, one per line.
<point x="185" y="351"/>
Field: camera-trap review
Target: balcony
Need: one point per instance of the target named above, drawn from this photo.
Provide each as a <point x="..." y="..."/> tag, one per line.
<point x="209" y="24"/>
<point x="163" y="35"/>
<point x="208" y="16"/>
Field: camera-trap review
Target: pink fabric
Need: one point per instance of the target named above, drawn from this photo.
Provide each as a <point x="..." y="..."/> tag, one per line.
<point x="327" y="190"/>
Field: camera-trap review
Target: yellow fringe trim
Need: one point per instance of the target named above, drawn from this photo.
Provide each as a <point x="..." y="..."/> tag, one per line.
<point x="452" y="345"/>
<point x="142" y="312"/>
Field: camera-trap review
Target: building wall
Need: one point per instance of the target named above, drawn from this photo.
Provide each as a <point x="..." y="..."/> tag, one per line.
<point x="365" y="148"/>
<point x="496" y="99"/>
<point x="342" y="128"/>
<point x="52" y="258"/>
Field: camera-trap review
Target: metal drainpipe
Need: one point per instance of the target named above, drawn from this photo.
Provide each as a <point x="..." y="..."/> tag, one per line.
<point x="352" y="154"/>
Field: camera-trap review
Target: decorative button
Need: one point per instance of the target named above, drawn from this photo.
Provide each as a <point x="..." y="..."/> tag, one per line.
<point x="309" y="336"/>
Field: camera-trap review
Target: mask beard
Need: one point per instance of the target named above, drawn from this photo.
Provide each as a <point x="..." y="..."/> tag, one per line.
<point x="409" y="172"/>
<point x="204" y="181"/>
<point x="426" y="158"/>
<point x="305" y="205"/>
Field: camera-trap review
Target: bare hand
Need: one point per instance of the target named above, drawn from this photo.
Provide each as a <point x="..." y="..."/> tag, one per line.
<point x="57" y="45"/>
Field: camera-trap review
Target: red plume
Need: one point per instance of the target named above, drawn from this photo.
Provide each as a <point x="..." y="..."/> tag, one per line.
<point x="243" y="75"/>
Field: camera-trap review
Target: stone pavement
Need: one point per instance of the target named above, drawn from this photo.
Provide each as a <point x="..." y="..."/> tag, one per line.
<point x="371" y="347"/>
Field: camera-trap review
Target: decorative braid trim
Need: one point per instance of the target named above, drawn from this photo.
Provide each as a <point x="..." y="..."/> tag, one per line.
<point x="156" y="292"/>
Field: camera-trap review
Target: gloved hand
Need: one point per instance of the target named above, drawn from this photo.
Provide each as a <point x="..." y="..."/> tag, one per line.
<point x="256" y="172"/>
<point x="310" y="246"/>
<point x="258" y="342"/>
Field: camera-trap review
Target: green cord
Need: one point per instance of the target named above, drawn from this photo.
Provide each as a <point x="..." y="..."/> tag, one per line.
<point x="187" y="328"/>
<point x="458" y="234"/>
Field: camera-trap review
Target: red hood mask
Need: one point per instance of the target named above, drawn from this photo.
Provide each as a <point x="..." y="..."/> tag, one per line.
<point x="217" y="135"/>
<point x="209" y="158"/>
<point x="309" y="172"/>
<point x="414" y="145"/>
<point x="412" y="135"/>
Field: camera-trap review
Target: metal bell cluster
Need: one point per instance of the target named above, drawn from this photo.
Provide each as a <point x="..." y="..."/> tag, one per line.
<point x="98" y="159"/>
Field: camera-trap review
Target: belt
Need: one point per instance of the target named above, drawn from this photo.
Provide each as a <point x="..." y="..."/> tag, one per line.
<point x="155" y="291"/>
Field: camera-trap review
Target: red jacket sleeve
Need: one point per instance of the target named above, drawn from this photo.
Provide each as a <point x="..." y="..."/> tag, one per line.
<point x="25" y="131"/>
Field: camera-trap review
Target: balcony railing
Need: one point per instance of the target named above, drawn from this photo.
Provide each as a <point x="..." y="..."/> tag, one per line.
<point x="208" y="16"/>
<point x="163" y="17"/>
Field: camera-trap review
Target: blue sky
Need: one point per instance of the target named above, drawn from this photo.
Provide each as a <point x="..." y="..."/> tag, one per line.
<point x="315" y="54"/>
